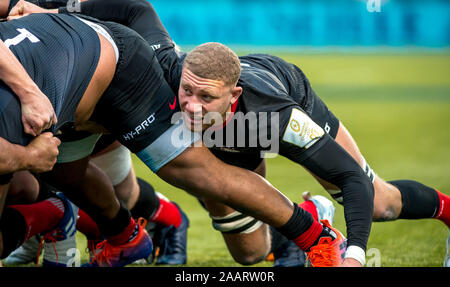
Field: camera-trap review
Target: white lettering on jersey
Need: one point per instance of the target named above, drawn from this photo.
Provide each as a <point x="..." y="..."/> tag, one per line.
<point x="24" y="34"/>
<point x="140" y="128"/>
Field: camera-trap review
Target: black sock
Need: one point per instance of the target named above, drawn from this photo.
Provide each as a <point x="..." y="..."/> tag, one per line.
<point x="277" y="239"/>
<point x="45" y="191"/>
<point x="300" y="222"/>
<point x="116" y="225"/>
<point x="418" y="200"/>
<point x="147" y="203"/>
<point x="13" y="227"/>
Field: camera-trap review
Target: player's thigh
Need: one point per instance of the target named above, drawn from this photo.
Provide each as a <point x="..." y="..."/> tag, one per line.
<point x="115" y="160"/>
<point x="387" y="198"/>
<point x="24" y="188"/>
<point x="345" y="140"/>
<point x="127" y="191"/>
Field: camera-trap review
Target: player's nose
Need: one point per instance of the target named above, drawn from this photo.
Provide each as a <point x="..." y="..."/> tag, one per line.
<point x="193" y="107"/>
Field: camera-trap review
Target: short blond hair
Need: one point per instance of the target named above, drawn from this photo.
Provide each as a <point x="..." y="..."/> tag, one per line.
<point x="214" y="61"/>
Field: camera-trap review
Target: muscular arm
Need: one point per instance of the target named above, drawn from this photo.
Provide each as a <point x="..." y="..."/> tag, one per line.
<point x="37" y="111"/>
<point x="200" y="173"/>
<point x="329" y="161"/>
<point x="38" y="156"/>
<point x="4" y="8"/>
<point x="12" y="157"/>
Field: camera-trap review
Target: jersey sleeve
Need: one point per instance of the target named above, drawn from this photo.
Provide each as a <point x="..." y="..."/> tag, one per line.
<point x="304" y="142"/>
<point x="138" y="15"/>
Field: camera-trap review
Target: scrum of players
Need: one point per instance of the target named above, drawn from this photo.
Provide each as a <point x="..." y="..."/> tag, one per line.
<point x="81" y="92"/>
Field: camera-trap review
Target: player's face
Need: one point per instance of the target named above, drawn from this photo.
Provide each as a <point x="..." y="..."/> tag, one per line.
<point x="199" y="96"/>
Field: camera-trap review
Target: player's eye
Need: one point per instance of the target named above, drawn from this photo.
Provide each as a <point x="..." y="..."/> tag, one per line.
<point x="186" y="90"/>
<point x="207" y="98"/>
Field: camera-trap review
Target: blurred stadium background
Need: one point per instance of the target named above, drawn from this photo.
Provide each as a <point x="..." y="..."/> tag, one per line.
<point x="383" y="70"/>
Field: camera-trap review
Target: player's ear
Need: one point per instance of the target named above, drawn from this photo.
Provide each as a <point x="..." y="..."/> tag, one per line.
<point x="236" y="93"/>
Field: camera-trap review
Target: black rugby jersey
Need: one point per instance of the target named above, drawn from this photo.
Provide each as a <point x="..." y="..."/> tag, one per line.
<point x="135" y="15"/>
<point x="59" y="53"/>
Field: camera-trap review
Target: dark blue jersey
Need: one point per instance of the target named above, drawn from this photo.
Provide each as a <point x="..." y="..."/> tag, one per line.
<point x="60" y="54"/>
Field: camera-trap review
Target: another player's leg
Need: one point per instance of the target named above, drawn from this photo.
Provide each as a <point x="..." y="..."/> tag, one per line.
<point x="167" y="221"/>
<point x="93" y="192"/>
<point x="405" y="199"/>
<point x="398" y="199"/>
<point x="250" y="241"/>
<point x="24" y="189"/>
<point x="54" y="218"/>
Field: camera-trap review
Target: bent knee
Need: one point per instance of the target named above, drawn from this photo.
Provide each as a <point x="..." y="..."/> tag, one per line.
<point x="24" y="188"/>
<point x="249" y="258"/>
<point x="384" y="213"/>
<point x="387" y="201"/>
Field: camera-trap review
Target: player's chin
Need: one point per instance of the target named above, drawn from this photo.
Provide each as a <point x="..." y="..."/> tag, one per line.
<point x="195" y="125"/>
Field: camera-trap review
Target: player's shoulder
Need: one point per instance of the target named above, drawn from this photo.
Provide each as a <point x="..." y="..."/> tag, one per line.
<point x="257" y="75"/>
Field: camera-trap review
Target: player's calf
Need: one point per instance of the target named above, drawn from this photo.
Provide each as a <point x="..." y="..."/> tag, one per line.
<point x="421" y="201"/>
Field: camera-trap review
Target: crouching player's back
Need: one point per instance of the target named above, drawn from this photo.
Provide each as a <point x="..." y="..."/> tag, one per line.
<point x="60" y="54"/>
